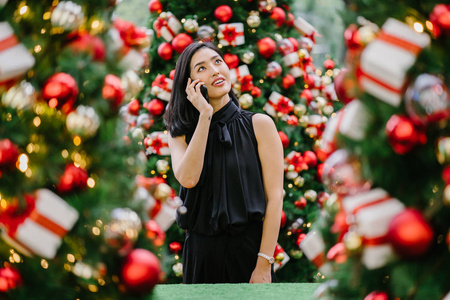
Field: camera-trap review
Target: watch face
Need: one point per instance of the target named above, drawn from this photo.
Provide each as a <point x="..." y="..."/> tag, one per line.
<point x="271" y="260"/>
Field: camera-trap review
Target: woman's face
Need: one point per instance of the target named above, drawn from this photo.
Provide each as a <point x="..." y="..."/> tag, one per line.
<point x="209" y="67"/>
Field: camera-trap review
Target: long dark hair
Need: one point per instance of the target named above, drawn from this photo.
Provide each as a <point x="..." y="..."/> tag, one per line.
<point x="181" y="116"/>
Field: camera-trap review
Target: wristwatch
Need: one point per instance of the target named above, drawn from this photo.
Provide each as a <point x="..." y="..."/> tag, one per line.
<point x="270" y="259"/>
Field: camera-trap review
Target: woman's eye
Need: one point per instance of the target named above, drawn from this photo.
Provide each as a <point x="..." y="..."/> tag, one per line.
<point x="201" y="69"/>
<point x="218" y="61"/>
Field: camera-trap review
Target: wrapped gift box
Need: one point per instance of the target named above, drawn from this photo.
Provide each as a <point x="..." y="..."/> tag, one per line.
<point x="313" y="247"/>
<point x="15" y="60"/>
<point x="157" y="143"/>
<point x="292" y="60"/>
<point x="237" y="73"/>
<point x="231" y="34"/>
<point x="162" y="87"/>
<point x="304" y="27"/>
<point x="279" y="251"/>
<point x="167" y="26"/>
<point x="166" y="215"/>
<point x="385" y="61"/>
<point x="278" y="103"/>
<point x="373" y="211"/>
<point x="40" y="232"/>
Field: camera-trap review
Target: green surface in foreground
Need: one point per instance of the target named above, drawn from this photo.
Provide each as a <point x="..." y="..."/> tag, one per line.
<point x="284" y="291"/>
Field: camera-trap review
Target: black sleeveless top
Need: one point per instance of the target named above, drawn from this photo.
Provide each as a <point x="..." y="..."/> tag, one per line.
<point x="230" y="191"/>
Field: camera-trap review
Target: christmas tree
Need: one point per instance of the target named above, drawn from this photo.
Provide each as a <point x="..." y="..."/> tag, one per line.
<point x="384" y="233"/>
<point x="70" y="224"/>
<point x="268" y="52"/>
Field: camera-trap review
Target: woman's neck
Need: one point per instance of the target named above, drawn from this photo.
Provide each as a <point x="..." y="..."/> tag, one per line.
<point x="218" y="103"/>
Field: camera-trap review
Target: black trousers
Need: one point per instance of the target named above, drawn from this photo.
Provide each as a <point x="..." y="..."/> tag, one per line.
<point x="223" y="258"/>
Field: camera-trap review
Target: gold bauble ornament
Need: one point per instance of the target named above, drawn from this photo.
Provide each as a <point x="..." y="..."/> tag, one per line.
<point x="303" y="53"/>
<point x="190" y="25"/>
<point x="279" y="257"/>
<point x="246" y="100"/>
<point x="311" y="195"/>
<point x="352" y="241"/>
<point x="267" y="5"/>
<point x="248" y="57"/>
<point x="163" y="15"/>
<point x="253" y="19"/>
<point x="328" y="110"/>
<point x="299" y="181"/>
<point x="162" y="166"/>
<point x="163" y="191"/>
<point x="83" y="122"/>
<point x="67" y="15"/>
<point x="366" y="34"/>
<point x="296" y="254"/>
<point x="132" y="84"/>
<point x="300" y="109"/>
<point x="122" y="230"/>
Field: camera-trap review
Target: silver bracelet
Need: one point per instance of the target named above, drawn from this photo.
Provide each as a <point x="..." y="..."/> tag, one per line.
<point x="271" y="260"/>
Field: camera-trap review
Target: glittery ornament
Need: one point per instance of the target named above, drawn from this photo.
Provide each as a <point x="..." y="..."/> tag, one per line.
<point x="443" y="150"/>
<point x="427" y="100"/>
<point x="163" y="191"/>
<point x="253" y="20"/>
<point x="67" y="15"/>
<point x="248" y="57"/>
<point x="352" y="242"/>
<point x="190" y="25"/>
<point x="132" y="84"/>
<point x="311" y="195"/>
<point x="144" y="121"/>
<point x="178" y="269"/>
<point x="83" y="122"/>
<point x="246" y="100"/>
<point x="273" y="70"/>
<point x="162" y="166"/>
<point x="21" y="96"/>
<point x="267" y="6"/>
<point x="122" y="230"/>
<point x="205" y="33"/>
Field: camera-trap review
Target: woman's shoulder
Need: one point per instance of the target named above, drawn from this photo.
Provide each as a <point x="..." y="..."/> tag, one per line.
<point x="259" y="119"/>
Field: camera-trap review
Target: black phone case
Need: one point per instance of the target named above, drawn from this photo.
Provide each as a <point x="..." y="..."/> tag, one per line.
<point x="204" y="92"/>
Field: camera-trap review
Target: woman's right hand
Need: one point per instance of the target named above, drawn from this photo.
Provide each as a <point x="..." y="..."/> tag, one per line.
<point x="195" y="96"/>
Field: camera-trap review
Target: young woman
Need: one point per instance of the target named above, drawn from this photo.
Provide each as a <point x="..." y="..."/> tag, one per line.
<point x="229" y="163"/>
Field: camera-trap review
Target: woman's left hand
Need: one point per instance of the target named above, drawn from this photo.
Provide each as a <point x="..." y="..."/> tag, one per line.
<point x="262" y="272"/>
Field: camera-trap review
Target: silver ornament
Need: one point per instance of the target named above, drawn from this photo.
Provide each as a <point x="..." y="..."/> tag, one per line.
<point x="122" y="231"/>
<point x="67" y="15"/>
<point x="83" y="122"/>
<point x="162" y="166"/>
<point x="267" y="5"/>
<point x="21" y="96"/>
<point x="253" y="20"/>
<point x="205" y="33"/>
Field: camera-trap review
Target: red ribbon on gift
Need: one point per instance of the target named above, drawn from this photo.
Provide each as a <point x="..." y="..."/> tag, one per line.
<point x="318" y="260"/>
<point x="130" y="34"/>
<point x="160" y="23"/>
<point x="157" y="144"/>
<point x="9" y="42"/>
<point x="246" y="83"/>
<point x="160" y="81"/>
<point x="378" y="201"/>
<point x="230" y="34"/>
<point x="376" y="241"/>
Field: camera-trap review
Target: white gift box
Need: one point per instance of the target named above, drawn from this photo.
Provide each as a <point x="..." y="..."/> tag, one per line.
<point x="239" y="72"/>
<point x="373" y="211"/>
<point x="313" y="247"/>
<point x="231" y="34"/>
<point x="167" y="26"/>
<point x="166" y="216"/>
<point x="293" y="62"/>
<point x="385" y="61"/>
<point x="279" y="264"/>
<point x="274" y="99"/>
<point x="355" y="120"/>
<point x="41" y="232"/>
<point x="158" y="143"/>
<point x="304" y="27"/>
<point x="162" y="91"/>
<point x="15" y="60"/>
<point x="132" y="60"/>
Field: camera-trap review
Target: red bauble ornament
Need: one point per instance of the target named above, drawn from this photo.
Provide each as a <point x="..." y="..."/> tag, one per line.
<point x="172" y="74"/>
<point x="60" y="91"/>
<point x="154" y="6"/>
<point x="290" y="20"/>
<point x="288" y="81"/>
<point x="175" y="247"/>
<point x="301" y="203"/>
<point x="83" y="42"/>
<point x="320" y="171"/>
<point x="328" y="64"/>
<point x="283" y="219"/>
<point x="293" y="120"/>
<point x="266" y="47"/>
<point x="445" y="174"/>
<point x="309" y="80"/>
<point x="154" y="231"/>
<point x="223" y="13"/>
<point x="112" y="90"/>
<point x="255" y="92"/>
<point x="352" y="38"/>
<point x="410" y="234"/>
<point x="310" y="158"/>
<point x="232" y="60"/>
<point x="294" y="43"/>
<point x="181" y="41"/>
<point x="440" y="18"/>
<point x="140" y="271"/>
<point x="344" y="86"/>
<point x="278" y="15"/>
<point x="9" y="279"/>
<point x="134" y="106"/>
<point x="73" y="178"/>
<point x="402" y="135"/>
<point x="376" y="295"/>
<point x="9" y="153"/>
<point x="155" y="107"/>
<point x="165" y="51"/>
<point x="307" y="95"/>
<point x="300" y="238"/>
<point x="284" y="139"/>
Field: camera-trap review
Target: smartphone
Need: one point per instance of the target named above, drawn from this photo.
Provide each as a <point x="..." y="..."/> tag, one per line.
<point x="204" y="92"/>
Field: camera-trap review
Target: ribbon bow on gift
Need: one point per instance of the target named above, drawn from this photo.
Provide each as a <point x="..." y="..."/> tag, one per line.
<point x="160" y="23"/>
<point x="160" y="81"/>
<point x="230" y="34"/>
